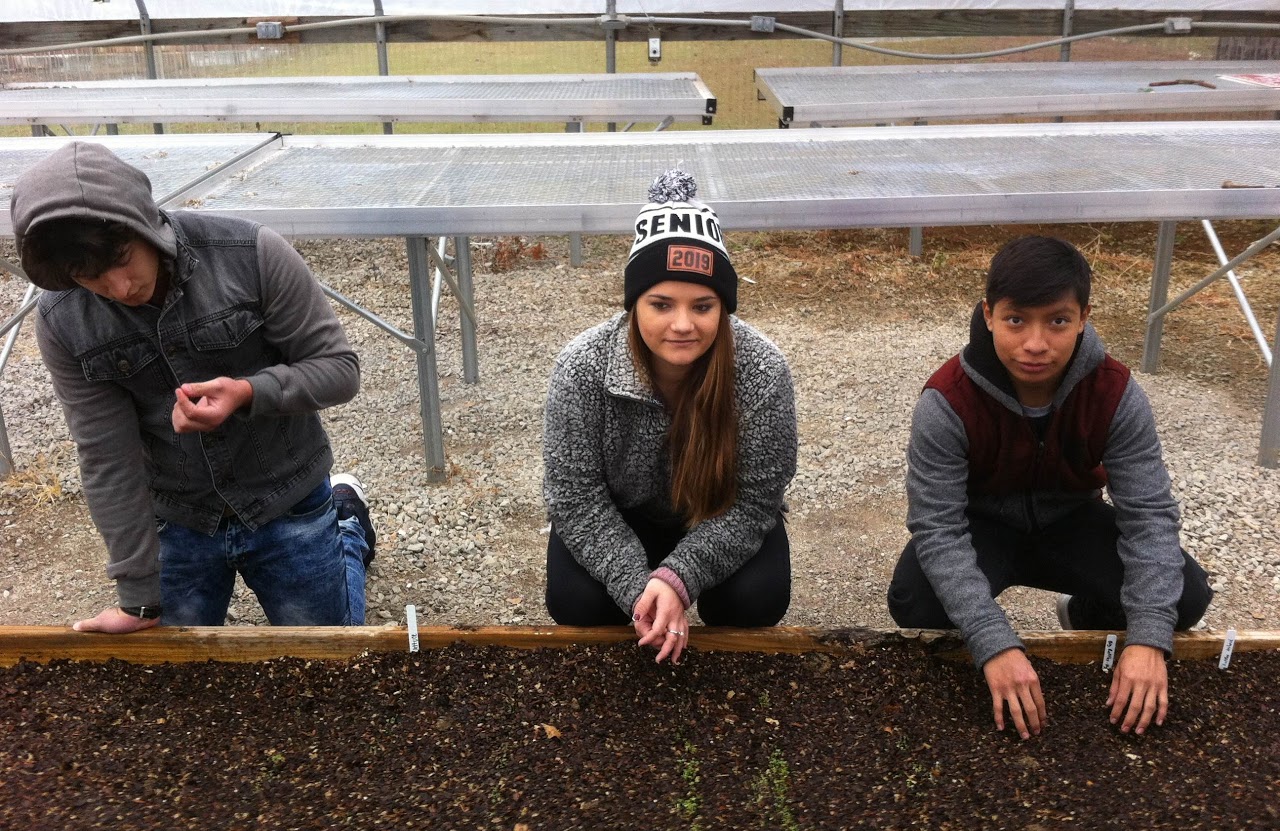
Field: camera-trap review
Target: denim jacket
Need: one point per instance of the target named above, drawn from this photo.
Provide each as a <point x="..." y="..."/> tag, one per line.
<point x="241" y="303"/>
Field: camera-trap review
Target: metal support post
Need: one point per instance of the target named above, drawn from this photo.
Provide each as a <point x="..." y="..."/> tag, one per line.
<point x="149" y="51"/>
<point x="1238" y="290"/>
<point x="428" y="378"/>
<point x="1269" y="449"/>
<point x="384" y="66"/>
<point x="1068" y="23"/>
<point x="1159" y="293"/>
<point x="466" y="299"/>
<point x="1064" y="53"/>
<point x="837" y="29"/>
<point x="916" y="244"/>
<point x="6" y="454"/>
<point x="12" y="325"/>
<point x="575" y="250"/>
<point x="611" y="48"/>
<point x="575" y="240"/>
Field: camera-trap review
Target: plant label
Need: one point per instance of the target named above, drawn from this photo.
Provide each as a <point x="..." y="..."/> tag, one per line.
<point x="1228" y="646"/>
<point x="411" y="623"/>
<point x="1109" y="654"/>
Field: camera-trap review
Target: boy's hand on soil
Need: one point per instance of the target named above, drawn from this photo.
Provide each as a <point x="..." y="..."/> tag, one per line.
<point x="1013" y="683"/>
<point x="660" y="621"/>
<point x="115" y="622"/>
<point x="1139" y="689"/>
<point x="202" y="407"/>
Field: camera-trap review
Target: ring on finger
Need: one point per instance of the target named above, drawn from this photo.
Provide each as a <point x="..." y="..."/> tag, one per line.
<point x="675" y="632"/>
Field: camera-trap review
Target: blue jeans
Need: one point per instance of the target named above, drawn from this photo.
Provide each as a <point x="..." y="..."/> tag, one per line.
<point x="306" y="567"/>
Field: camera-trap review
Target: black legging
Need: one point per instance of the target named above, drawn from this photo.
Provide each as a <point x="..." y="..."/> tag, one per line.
<point x="757" y="594"/>
<point x="1076" y="556"/>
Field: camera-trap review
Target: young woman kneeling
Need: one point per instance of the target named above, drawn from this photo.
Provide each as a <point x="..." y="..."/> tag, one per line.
<point x="670" y="437"/>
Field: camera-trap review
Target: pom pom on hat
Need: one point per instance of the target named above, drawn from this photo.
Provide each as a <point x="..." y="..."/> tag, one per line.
<point x="678" y="238"/>
<point x="673" y="186"/>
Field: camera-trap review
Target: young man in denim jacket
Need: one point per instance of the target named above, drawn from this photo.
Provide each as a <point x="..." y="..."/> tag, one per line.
<point x="191" y="354"/>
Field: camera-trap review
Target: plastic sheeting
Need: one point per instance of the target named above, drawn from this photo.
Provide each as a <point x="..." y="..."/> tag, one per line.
<point x="14" y="11"/>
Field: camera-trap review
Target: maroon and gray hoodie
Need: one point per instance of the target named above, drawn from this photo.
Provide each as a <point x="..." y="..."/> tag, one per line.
<point x="1101" y="432"/>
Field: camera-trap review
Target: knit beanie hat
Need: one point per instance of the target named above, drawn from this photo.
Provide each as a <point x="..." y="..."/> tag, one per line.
<point x="678" y="238"/>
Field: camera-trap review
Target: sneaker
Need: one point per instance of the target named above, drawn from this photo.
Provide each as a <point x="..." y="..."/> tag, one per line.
<point x="349" y="501"/>
<point x="1064" y="614"/>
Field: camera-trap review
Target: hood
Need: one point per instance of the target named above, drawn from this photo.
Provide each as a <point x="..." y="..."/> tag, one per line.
<point x="86" y="180"/>
<point x="983" y="366"/>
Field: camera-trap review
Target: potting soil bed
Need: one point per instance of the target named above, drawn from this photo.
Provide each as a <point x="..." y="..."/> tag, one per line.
<point x="601" y="737"/>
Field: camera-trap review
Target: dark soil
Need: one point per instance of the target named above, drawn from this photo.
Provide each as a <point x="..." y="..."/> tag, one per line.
<point x="602" y="738"/>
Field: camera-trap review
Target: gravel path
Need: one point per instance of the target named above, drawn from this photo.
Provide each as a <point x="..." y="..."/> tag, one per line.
<point x="472" y="551"/>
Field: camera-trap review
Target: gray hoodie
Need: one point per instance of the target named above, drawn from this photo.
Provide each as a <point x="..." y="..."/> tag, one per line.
<point x="1138" y="485"/>
<point x="241" y="303"/>
<point x="604" y="449"/>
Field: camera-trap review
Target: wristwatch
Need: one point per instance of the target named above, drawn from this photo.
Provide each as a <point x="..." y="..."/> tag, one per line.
<point x="144" y="612"/>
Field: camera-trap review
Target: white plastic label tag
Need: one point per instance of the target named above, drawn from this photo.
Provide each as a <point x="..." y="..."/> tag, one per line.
<point x="411" y="622"/>
<point x="1109" y="654"/>
<point x="1228" y="646"/>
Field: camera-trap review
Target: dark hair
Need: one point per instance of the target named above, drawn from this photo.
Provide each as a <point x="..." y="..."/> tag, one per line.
<point x="703" y="437"/>
<point x="1036" y="271"/>
<point x="62" y="250"/>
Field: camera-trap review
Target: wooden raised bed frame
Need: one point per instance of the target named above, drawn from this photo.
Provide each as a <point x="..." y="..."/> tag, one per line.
<point x="244" y="643"/>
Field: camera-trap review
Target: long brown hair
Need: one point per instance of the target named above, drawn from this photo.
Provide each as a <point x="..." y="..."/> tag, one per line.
<point x="703" y="439"/>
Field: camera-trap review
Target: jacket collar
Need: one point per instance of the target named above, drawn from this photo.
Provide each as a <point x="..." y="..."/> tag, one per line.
<point x="184" y="262"/>
<point x="621" y="378"/>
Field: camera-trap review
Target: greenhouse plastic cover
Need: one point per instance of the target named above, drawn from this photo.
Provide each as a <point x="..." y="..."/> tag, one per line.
<point x="14" y="11"/>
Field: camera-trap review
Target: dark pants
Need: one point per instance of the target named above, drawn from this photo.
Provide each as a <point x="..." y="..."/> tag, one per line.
<point x="757" y="594"/>
<point x="1076" y="556"/>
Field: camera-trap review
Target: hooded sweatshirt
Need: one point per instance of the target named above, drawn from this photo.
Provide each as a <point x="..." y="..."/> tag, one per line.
<point x="942" y="491"/>
<point x="240" y="303"/>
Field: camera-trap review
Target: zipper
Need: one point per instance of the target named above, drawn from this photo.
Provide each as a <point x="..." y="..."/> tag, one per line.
<point x="1027" y="501"/>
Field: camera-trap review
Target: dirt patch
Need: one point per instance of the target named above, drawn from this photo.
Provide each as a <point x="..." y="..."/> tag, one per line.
<point x="469" y="737"/>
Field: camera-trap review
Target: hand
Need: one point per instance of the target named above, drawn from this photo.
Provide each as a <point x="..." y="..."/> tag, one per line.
<point x="1140" y="688"/>
<point x="659" y="616"/>
<point x="1013" y="682"/>
<point x="115" y="622"/>
<point x="204" y="406"/>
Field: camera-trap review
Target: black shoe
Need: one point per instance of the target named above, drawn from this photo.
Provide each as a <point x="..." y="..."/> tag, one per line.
<point x="349" y="501"/>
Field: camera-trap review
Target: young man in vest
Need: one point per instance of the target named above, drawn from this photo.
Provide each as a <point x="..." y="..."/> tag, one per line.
<point x="191" y="354"/>
<point x="1011" y="443"/>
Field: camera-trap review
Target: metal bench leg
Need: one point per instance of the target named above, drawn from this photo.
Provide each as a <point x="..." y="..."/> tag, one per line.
<point x="12" y="325"/>
<point x="6" y="454"/>
<point x="1269" y="451"/>
<point x="1159" y="294"/>
<point x="916" y="245"/>
<point x="466" y="300"/>
<point x="1238" y="290"/>
<point x="428" y="376"/>
<point x="575" y="240"/>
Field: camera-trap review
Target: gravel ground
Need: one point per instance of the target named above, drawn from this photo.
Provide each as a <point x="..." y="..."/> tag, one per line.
<point x="471" y="551"/>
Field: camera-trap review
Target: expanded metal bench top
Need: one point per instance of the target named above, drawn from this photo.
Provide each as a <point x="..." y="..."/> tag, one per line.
<point x="862" y="94"/>
<point x="756" y="179"/>
<point x="603" y="97"/>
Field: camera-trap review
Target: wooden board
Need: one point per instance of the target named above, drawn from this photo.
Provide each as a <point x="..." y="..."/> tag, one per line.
<point x="243" y="643"/>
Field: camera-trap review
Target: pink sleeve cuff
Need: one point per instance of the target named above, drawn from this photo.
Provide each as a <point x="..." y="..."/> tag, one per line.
<point x="673" y="580"/>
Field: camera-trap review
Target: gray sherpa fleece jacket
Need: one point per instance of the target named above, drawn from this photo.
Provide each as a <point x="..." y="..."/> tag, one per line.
<point x="1138" y="485"/>
<point x="604" y="449"/>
